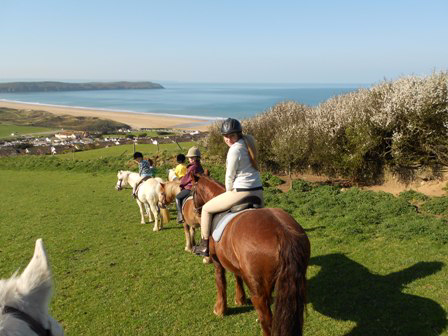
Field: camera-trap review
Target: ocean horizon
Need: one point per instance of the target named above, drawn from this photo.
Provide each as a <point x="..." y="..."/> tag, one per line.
<point x="208" y="101"/>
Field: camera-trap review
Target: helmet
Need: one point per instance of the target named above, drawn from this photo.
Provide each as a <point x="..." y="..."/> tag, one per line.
<point x="230" y="126"/>
<point x="193" y="152"/>
<point x="137" y="155"/>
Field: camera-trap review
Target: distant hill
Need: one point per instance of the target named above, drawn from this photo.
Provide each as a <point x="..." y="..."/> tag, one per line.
<point x="62" y="86"/>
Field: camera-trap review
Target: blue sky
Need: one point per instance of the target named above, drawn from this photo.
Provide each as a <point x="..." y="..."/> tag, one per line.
<point x="222" y="41"/>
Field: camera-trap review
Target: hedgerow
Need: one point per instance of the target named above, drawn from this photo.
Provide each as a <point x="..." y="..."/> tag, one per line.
<point x="401" y="126"/>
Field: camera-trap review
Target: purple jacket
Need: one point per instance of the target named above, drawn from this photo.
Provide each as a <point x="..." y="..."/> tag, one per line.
<point x="192" y="168"/>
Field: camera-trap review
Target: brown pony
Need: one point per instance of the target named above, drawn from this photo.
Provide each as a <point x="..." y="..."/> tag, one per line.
<point x="169" y="190"/>
<point x="267" y="249"/>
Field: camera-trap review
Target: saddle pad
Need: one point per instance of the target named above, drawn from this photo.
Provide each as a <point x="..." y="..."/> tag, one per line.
<point x="185" y="201"/>
<point x="220" y="224"/>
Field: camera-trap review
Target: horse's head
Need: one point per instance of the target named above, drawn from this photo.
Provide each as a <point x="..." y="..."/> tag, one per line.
<point x="161" y="193"/>
<point x="167" y="192"/>
<point x="122" y="177"/>
<point x="24" y="299"/>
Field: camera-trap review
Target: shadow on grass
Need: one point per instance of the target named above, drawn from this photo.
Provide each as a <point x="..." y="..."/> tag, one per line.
<point x="346" y="290"/>
<point x="311" y="229"/>
<point x="172" y="228"/>
<point x="239" y="310"/>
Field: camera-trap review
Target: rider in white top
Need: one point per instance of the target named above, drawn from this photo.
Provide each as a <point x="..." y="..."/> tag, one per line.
<point x="240" y="173"/>
<point x="242" y="179"/>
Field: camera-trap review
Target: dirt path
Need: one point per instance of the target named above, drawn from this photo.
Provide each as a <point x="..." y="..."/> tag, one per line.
<point x="391" y="185"/>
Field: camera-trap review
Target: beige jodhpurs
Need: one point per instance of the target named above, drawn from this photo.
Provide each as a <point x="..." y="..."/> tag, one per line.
<point x="221" y="203"/>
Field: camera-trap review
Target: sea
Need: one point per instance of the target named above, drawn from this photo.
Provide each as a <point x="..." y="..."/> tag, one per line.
<point x="208" y="101"/>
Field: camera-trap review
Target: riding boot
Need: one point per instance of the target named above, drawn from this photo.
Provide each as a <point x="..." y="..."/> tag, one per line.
<point x="180" y="218"/>
<point x="202" y="248"/>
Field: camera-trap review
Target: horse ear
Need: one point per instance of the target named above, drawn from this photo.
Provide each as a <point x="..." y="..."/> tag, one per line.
<point x="207" y="172"/>
<point x="162" y="186"/>
<point x="36" y="278"/>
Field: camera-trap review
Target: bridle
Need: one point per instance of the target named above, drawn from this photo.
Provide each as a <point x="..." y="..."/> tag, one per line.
<point x="119" y="186"/>
<point x="34" y="325"/>
<point x="162" y="205"/>
<point x="197" y="209"/>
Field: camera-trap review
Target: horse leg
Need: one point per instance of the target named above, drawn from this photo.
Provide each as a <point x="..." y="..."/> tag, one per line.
<point x="188" y="245"/>
<point x="192" y="230"/>
<point x="261" y="304"/>
<point x="149" y="213"/>
<point x="140" y="206"/>
<point x="156" y="216"/>
<point x="240" y="295"/>
<point x="221" y="284"/>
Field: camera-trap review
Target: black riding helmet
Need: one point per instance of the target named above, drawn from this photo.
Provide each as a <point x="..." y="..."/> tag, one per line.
<point x="137" y="155"/>
<point x="230" y="126"/>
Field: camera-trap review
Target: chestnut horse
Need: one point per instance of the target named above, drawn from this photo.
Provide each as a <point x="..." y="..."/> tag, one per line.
<point x="168" y="192"/>
<point x="267" y="249"/>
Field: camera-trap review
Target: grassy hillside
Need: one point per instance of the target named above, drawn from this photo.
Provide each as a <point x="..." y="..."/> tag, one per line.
<point x="113" y="150"/>
<point x="47" y="119"/>
<point x="378" y="265"/>
<point x="6" y="130"/>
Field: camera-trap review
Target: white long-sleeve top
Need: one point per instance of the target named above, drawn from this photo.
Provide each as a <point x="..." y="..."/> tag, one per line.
<point x="239" y="170"/>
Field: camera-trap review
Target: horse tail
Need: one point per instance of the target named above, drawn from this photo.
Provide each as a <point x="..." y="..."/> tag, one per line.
<point x="165" y="216"/>
<point x="291" y="282"/>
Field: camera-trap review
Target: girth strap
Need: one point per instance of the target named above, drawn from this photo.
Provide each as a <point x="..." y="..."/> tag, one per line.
<point x="32" y="323"/>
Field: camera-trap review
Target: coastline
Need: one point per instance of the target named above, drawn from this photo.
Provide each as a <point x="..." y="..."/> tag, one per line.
<point x="136" y="120"/>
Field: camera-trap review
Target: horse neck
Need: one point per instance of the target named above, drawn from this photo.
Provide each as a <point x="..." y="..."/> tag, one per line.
<point x="211" y="188"/>
<point x="132" y="179"/>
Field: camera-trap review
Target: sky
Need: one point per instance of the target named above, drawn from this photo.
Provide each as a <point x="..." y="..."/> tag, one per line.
<point x="222" y="41"/>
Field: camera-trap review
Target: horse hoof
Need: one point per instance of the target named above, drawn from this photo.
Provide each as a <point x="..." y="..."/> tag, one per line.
<point x="240" y="302"/>
<point x="187" y="249"/>
<point x="219" y="313"/>
<point x="206" y="260"/>
<point x="155" y="229"/>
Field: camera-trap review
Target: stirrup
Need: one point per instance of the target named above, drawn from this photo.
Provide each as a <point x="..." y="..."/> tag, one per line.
<point x="201" y="250"/>
<point x="201" y="253"/>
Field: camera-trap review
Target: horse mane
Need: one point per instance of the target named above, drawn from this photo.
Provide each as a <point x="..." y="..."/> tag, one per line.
<point x="172" y="188"/>
<point x="8" y="292"/>
<point x="210" y="187"/>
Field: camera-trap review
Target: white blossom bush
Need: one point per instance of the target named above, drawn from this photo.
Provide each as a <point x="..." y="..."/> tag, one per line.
<point x="401" y="125"/>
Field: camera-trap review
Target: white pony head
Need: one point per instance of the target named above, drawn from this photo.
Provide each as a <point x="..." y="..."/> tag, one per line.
<point x="24" y="299"/>
<point x="172" y="175"/>
<point x="122" y="177"/>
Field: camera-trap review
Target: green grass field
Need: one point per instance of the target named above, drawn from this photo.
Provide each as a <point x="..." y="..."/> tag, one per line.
<point x="6" y="130"/>
<point x="378" y="267"/>
<point x="113" y="150"/>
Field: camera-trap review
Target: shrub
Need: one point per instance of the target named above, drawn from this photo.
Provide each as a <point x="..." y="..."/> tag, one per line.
<point x="400" y="125"/>
<point x="437" y="206"/>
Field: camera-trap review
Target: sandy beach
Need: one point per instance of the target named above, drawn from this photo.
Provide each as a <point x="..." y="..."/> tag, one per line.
<point x="135" y="120"/>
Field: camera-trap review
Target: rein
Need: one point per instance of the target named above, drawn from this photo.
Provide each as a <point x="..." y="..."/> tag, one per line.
<point x="197" y="210"/>
<point x="32" y="323"/>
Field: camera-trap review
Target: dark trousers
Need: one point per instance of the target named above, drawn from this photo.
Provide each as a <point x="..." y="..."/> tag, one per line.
<point x="179" y="200"/>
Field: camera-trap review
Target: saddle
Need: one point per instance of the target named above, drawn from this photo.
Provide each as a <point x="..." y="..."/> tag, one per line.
<point x="184" y="201"/>
<point x="221" y="219"/>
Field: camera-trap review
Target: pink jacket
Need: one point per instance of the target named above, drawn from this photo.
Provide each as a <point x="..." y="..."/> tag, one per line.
<point x="192" y="168"/>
